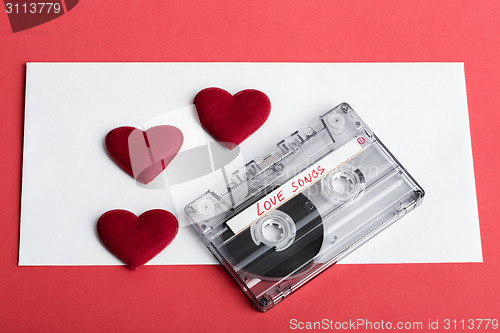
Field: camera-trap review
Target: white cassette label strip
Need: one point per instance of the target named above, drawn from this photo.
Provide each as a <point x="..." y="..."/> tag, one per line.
<point x="295" y="185"/>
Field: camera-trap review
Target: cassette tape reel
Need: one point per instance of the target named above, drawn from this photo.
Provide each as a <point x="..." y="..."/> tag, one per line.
<point x="309" y="201"/>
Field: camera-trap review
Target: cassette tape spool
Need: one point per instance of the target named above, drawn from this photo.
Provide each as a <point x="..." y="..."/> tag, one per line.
<point x="305" y="204"/>
<point x="285" y="238"/>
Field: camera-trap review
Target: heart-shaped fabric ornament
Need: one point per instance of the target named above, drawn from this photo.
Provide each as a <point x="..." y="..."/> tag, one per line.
<point x="144" y="155"/>
<point x="136" y="240"/>
<point x="232" y="119"/>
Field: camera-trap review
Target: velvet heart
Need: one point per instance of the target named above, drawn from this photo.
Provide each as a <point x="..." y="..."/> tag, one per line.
<point x="137" y="240"/>
<point x="232" y="119"/>
<point x="144" y="155"/>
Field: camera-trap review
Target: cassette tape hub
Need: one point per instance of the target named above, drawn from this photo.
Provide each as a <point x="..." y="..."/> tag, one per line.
<point x="312" y="199"/>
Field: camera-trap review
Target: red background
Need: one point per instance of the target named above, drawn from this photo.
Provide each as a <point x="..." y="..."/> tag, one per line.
<point x="204" y="298"/>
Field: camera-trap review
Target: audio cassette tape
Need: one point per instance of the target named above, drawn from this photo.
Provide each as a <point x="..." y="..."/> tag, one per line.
<point x="313" y="198"/>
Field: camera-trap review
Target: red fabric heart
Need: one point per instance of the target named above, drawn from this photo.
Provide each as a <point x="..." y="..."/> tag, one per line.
<point x="232" y="119"/>
<point x="136" y="240"/>
<point x="144" y="155"/>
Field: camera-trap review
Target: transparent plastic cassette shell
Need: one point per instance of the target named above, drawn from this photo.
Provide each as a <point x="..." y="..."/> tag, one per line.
<point x="304" y="205"/>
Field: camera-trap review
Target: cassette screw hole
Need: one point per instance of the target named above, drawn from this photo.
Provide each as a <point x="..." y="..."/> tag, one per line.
<point x="263" y="301"/>
<point x="205" y="207"/>
<point x="308" y="206"/>
<point x="203" y="226"/>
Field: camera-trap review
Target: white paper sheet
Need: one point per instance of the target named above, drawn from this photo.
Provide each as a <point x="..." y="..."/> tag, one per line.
<point x="419" y="110"/>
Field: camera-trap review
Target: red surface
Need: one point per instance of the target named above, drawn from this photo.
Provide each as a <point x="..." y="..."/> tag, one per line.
<point x="137" y="240"/>
<point x="231" y="119"/>
<point x="203" y="298"/>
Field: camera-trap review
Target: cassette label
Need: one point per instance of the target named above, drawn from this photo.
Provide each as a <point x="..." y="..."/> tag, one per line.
<point x="295" y="185"/>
